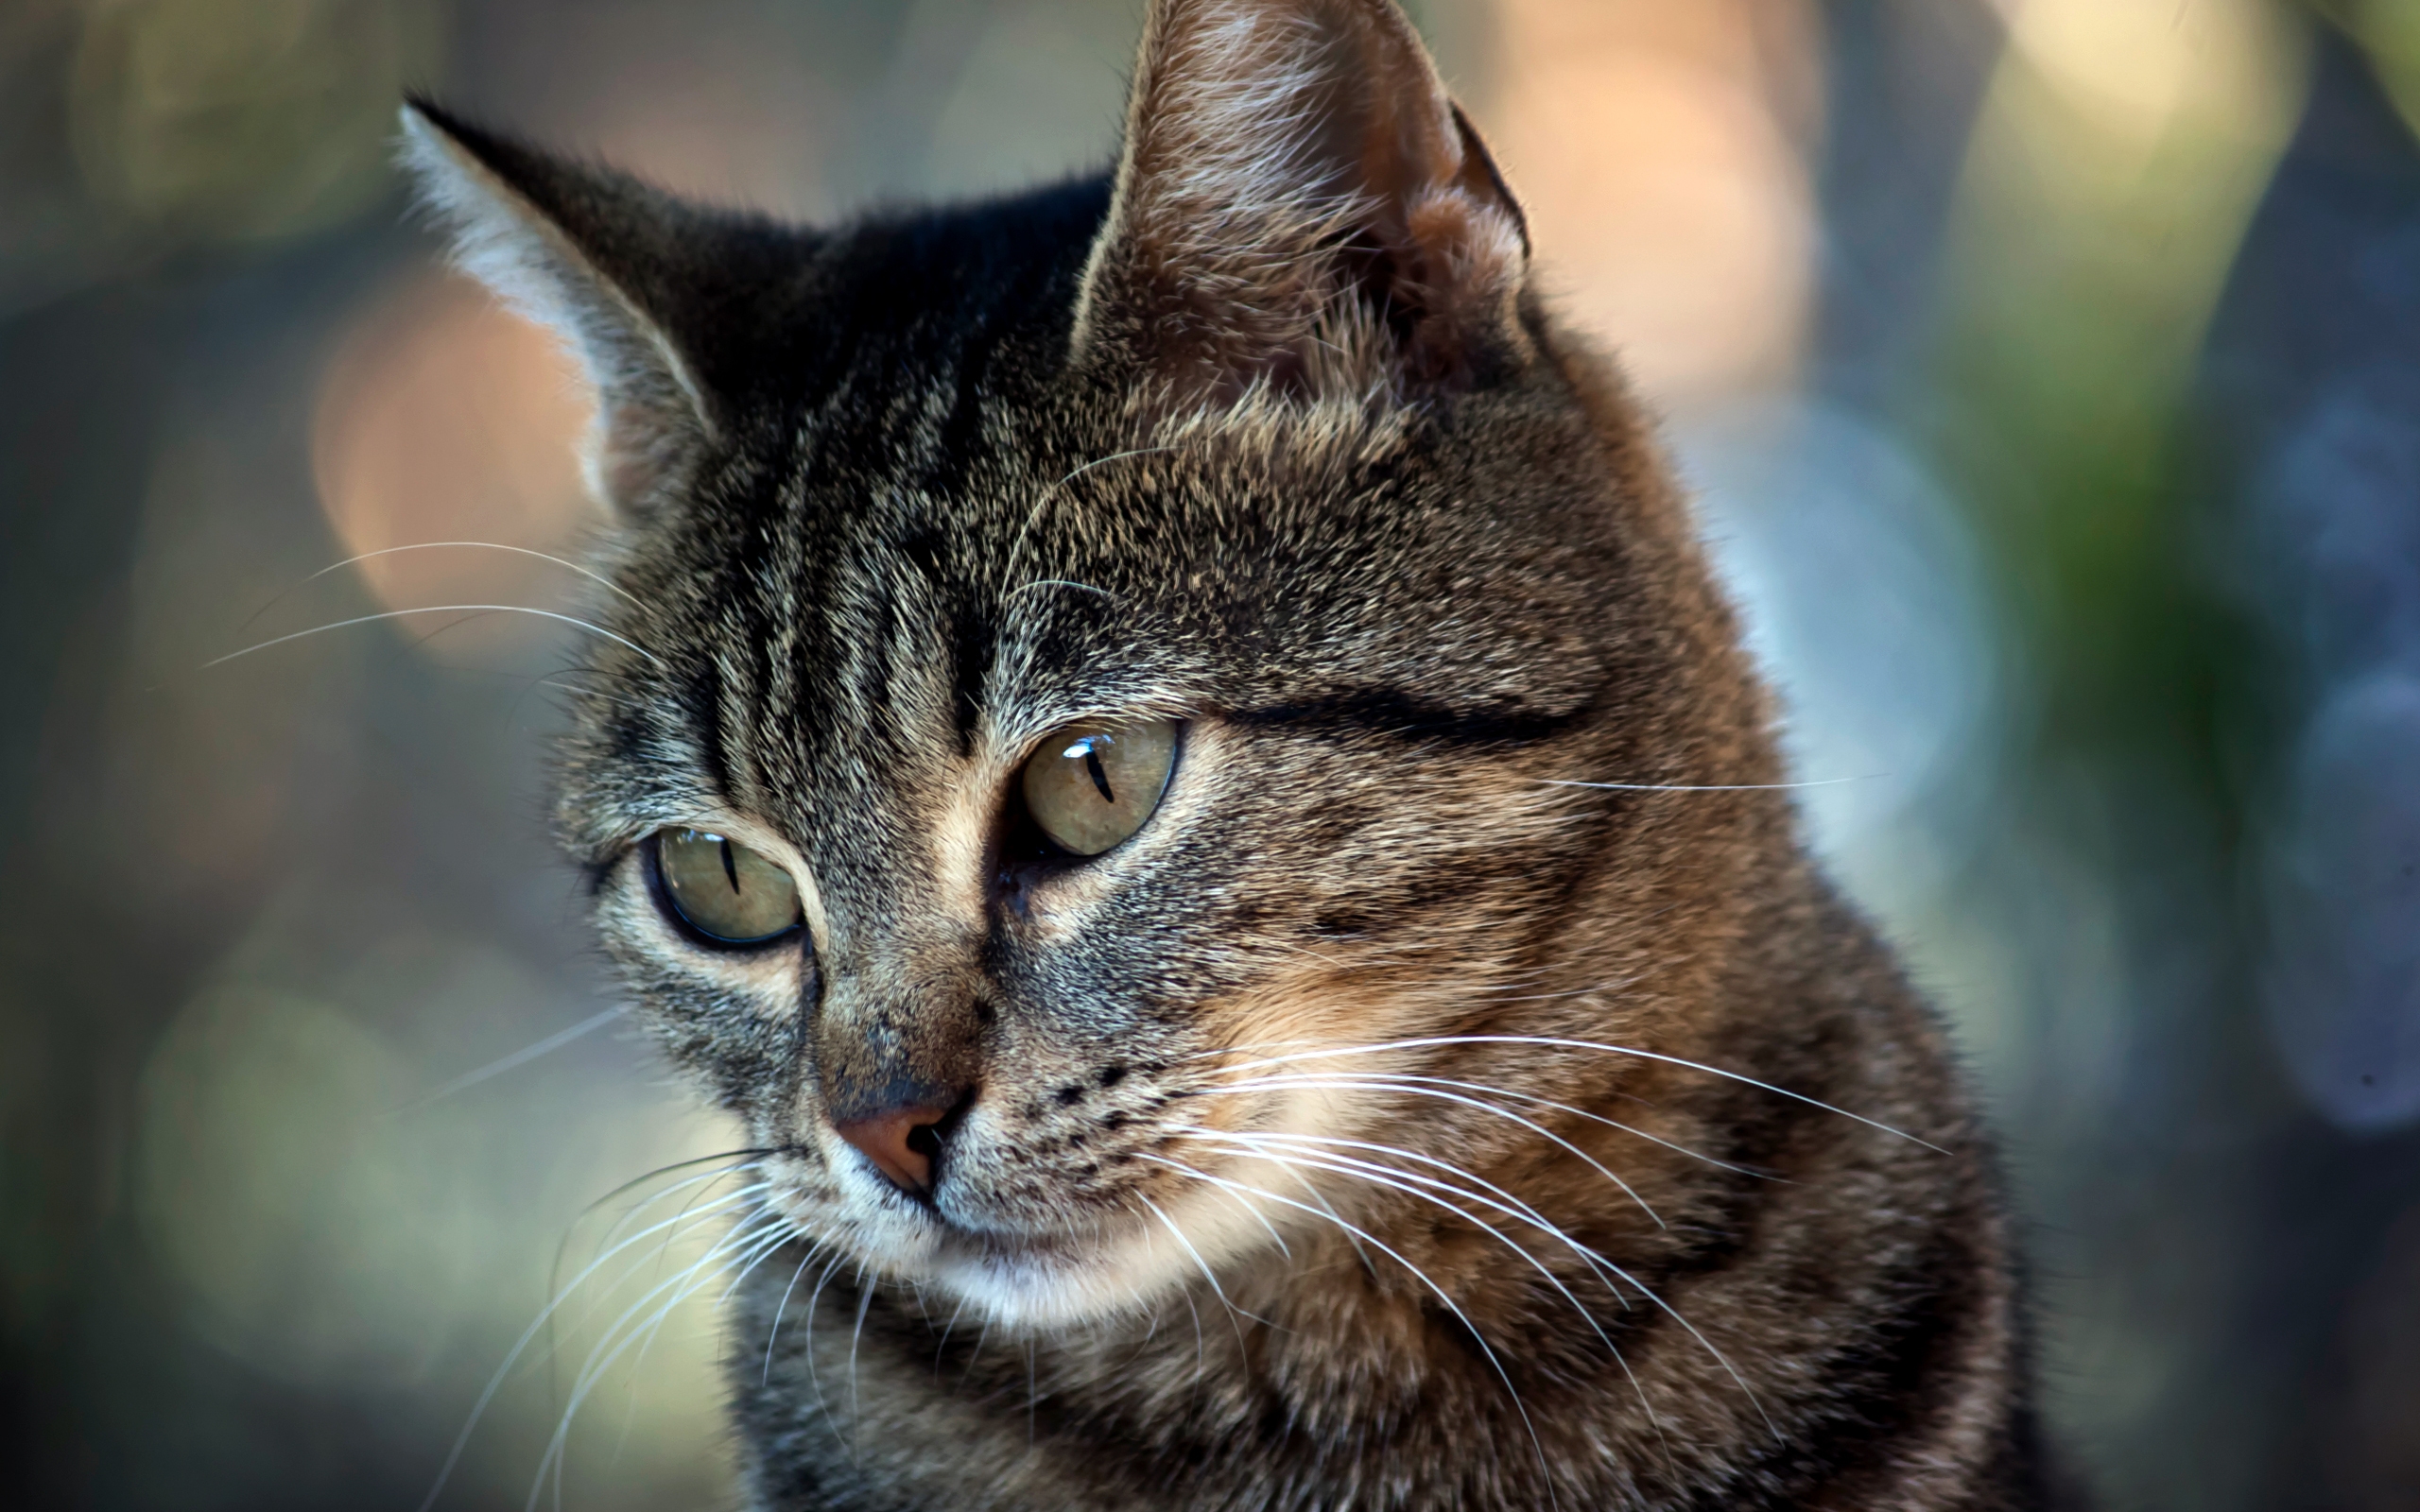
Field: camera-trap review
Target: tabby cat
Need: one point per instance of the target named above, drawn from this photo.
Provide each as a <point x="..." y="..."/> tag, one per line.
<point x="1167" y="748"/>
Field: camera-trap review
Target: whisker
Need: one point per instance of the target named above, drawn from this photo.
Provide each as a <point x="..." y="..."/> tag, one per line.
<point x="1170" y="1224"/>
<point x="1553" y="1042"/>
<point x="583" y="1377"/>
<point x="1262" y="1219"/>
<point x="1706" y="787"/>
<point x="554" y="1272"/>
<point x="435" y="608"/>
<point x="1422" y="1276"/>
<point x="1313" y="1192"/>
<point x="1370" y="1172"/>
<point x="1510" y="1205"/>
<point x="948" y="1329"/>
<point x="856" y="1418"/>
<point x="774" y="1333"/>
<point x="1406" y="1081"/>
<point x="705" y="1185"/>
<point x="742" y="1246"/>
<point x="495" y="1381"/>
<point x="1062" y="582"/>
<point x="519" y="1058"/>
<point x="1042" y="502"/>
<point x="982" y="1336"/>
<point x="607" y="583"/>
<point x="1596" y="1260"/>
<point x="1348" y="1084"/>
<point x="781" y="1232"/>
<point x="813" y="1373"/>
<point x="661" y="1170"/>
<point x="659" y="1284"/>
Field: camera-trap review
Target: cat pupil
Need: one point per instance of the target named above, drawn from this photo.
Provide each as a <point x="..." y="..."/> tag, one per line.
<point x="756" y="903"/>
<point x="1089" y="787"/>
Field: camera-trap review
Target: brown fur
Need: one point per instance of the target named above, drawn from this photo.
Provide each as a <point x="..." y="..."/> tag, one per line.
<point x="1689" y="1210"/>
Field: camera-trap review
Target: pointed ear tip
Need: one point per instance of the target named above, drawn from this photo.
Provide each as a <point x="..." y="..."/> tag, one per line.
<point x="431" y="133"/>
<point x="452" y="160"/>
<point x="426" y="138"/>
<point x="421" y="116"/>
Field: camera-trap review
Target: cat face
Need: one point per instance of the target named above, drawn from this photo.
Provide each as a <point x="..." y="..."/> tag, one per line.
<point x="1087" y="667"/>
<point x="1353" y="839"/>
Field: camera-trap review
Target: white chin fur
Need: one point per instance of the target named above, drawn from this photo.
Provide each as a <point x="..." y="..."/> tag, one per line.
<point x="1098" y="1278"/>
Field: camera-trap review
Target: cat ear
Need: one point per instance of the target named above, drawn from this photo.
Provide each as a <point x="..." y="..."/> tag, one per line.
<point x="611" y="266"/>
<point x="1300" y="204"/>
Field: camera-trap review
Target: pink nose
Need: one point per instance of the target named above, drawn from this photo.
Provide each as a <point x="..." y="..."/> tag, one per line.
<point x="901" y="1143"/>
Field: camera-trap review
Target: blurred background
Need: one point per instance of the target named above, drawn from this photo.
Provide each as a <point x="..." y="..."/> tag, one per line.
<point x="2050" y="373"/>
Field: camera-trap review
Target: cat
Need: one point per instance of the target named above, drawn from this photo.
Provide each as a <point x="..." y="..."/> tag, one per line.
<point x="1166" y="745"/>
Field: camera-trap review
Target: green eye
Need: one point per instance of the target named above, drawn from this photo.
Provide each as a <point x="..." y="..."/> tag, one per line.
<point x="1093" y="784"/>
<point x="723" y="890"/>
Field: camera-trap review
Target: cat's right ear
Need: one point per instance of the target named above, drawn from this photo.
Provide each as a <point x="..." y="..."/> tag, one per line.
<point x="606" y="262"/>
<point x="1301" y="210"/>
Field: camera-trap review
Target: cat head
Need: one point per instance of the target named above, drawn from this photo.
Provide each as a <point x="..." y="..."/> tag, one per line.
<point x="1084" y="667"/>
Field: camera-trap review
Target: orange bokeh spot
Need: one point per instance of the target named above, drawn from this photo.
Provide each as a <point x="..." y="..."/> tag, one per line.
<point x="445" y="418"/>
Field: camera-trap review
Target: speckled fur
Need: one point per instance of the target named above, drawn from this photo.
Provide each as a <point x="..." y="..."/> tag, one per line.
<point x="901" y="498"/>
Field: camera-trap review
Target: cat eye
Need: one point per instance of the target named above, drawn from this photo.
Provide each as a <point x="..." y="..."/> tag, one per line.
<point x="726" y="893"/>
<point x="1090" y="784"/>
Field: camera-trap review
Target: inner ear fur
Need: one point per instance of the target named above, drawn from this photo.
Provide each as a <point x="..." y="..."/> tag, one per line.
<point x="1300" y="207"/>
<point x="614" y="267"/>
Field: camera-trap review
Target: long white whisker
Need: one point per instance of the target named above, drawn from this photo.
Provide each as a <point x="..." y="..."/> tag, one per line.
<point x="1261" y="1218"/>
<point x="1706" y="787"/>
<point x="753" y="1162"/>
<point x="583" y="1377"/>
<point x="1422" y="1276"/>
<point x="1313" y="1192"/>
<point x="740" y="1245"/>
<point x="982" y="1336"/>
<point x="774" y="1333"/>
<point x="1170" y="1224"/>
<point x="1500" y="1200"/>
<point x="779" y="1232"/>
<point x="814" y="1372"/>
<point x="435" y="608"/>
<point x="948" y="1329"/>
<point x="1553" y="1042"/>
<point x="519" y="1058"/>
<point x="856" y="1418"/>
<point x="607" y="583"/>
<point x="1265" y="1083"/>
<point x="1062" y="582"/>
<point x="672" y="1231"/>
<point x="1381" y="1176"/>
<point x="495" y="1381"/>
<point x="1042" y="502"/>
<point x="680" y="1221"/>
<point x="1586" y="1254"/>
<point x="1408" y="1082"/>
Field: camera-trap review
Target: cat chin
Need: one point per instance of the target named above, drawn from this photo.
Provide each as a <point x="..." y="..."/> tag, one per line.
<point x="1038" y="1289"/>
<point x="1063" y="1282"/>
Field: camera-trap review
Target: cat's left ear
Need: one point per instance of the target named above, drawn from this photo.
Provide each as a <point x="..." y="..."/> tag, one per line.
<point x="1302" y="208"/>
<point x="624" y="275"/>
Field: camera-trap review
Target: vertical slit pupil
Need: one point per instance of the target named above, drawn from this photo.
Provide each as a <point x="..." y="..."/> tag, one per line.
<point x="1100" y="778"/>
<point x="730" y="868"/>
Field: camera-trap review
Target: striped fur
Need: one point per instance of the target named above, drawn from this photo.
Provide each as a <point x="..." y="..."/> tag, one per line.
<point x="1394" y="1121"/>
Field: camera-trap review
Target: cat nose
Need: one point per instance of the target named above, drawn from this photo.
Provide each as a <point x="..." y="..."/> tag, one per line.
<point x="903" y="1142"/>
